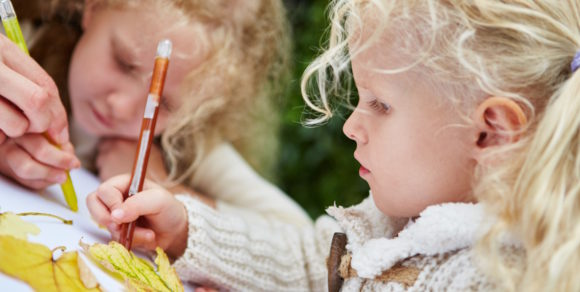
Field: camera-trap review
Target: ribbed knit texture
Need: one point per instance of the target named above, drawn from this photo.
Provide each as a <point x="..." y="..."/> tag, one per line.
<point x="254" y="253"/>
<point x="228" y="252"/>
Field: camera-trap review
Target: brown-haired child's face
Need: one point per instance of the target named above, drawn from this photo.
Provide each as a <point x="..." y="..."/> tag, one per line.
<point x="111" y="69"/>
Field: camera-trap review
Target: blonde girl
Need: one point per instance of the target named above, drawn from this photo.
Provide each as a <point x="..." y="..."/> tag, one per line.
<point x="519" y="60"/>
<point x="218" y="121"/>
<point x="467" y="132"/>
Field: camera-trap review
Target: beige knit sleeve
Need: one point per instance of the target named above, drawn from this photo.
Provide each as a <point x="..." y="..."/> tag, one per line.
<point x="230" y="252"/>
<point x="227" y="177"/>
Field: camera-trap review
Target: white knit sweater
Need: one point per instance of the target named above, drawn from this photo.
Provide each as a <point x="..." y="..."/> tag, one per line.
<point x="432" y="252"/>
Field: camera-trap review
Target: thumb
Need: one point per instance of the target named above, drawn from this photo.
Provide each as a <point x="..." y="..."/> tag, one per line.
<point x="145" y="203"/>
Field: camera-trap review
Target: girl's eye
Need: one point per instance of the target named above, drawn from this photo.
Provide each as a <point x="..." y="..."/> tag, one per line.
<point x="380" y="107"/>
<point x="124" y="66"/>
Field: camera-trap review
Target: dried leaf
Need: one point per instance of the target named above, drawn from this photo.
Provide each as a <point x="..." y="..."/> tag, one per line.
<point x="34" y="264"/>
<point x="139" y="274"/>
<point x="86" y="275"/>
<point x="12" y="224"/>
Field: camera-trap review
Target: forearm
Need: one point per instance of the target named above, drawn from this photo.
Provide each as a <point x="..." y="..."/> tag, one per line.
<point x="233" y="253"/>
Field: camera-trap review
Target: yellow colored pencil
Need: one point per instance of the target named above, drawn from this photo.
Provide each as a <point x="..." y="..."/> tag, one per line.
<point x="14" y="33"/>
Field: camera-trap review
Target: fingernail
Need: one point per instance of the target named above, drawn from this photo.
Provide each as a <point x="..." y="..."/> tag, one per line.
<point x="118" y="214"/>
<point x="75" y="164"/>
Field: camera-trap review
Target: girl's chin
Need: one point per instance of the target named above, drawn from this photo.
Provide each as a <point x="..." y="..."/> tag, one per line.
<point x="94" y="131"/>
<point x="89" y="128"/>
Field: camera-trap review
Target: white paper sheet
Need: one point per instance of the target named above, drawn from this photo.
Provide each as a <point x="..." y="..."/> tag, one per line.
<point x="14" y="198"/>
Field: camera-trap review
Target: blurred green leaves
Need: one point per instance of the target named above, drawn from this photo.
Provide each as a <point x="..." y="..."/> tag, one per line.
<point x="316" y="166"/>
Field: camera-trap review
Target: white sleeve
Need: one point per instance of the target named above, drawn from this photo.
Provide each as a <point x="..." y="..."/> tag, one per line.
<point x="227" y="177"/>
<point x="229" y="252"/>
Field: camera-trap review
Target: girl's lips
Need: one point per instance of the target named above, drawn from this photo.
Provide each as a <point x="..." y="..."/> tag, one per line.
<point x="362" y="171"/>
<point x="101" y="118"/>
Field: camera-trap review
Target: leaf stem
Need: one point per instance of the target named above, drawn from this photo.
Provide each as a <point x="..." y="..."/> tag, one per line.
<point x="61" y="248"/>
<point x="65" y="221"/>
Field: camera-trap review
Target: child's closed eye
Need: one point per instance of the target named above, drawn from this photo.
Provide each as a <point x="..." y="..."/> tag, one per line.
<point x="124" y="66"/>
<point x="380" y="107"/>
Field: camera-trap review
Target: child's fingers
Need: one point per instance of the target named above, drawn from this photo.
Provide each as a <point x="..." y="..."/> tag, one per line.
<point x="41" y="150"/>
<point x="204" y="289"/>
<point x="144" y="238"/>
<point x="149" y="202"/>
<point x="99" y="211"/>
<point x="121" y="182"/>
<point x="109" y="196"/>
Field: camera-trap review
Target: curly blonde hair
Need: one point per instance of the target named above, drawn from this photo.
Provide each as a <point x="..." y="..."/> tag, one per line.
<point x="520" y="49"/>
<point x="235" y="92"/>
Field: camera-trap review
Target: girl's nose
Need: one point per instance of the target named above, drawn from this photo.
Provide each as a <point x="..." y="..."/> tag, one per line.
<point x="125" y="107"/>
<point x="353" y="128"/>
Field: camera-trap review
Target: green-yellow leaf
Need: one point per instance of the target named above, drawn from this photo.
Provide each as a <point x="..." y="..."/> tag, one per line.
<point x="166" y="271"/>
<point x="139" y="274"/>
<point x="34" y="264"/>
<point x="12" y="224"/>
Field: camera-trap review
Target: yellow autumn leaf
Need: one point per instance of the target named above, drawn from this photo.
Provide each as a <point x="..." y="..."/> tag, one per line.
<point x="34" y="264"/>
<point x="139" y="274"/>
<point x="12" y="224"/>
<point x="166" y="271"/>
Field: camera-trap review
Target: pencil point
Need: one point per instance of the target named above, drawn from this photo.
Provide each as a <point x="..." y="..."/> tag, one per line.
<point x="69" y="193"/>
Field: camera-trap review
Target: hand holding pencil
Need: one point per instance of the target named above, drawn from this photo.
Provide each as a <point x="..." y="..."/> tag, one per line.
<point x="30" y="101"/>
<point x="147" y="131"/>
<point x="31" y="116"/>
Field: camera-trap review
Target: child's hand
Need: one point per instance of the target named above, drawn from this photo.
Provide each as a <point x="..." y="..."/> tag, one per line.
<point x="116" y="156"/>
<point x="35" y="163"/>
<point x="163" y="219"/>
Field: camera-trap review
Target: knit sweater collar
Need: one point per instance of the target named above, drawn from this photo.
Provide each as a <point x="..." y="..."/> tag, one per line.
<point x="376" y="246"/>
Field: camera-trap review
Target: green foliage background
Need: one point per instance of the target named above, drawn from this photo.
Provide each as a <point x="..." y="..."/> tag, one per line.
<point x="316" y="166"/>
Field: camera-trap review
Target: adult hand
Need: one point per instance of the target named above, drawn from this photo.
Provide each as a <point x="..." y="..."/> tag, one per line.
<point x="34" y="162"/>
<point x="163" y="218"/>
<point x="29" y="99"/>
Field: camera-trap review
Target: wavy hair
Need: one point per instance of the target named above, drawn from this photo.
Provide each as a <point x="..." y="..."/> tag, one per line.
<point x="520" y="49"/>
<point x="234" y="95"/>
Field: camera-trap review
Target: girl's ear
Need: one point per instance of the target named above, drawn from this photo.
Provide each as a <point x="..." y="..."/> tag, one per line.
<point x="88" y="11"/>
<point x="498" y="121"/>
